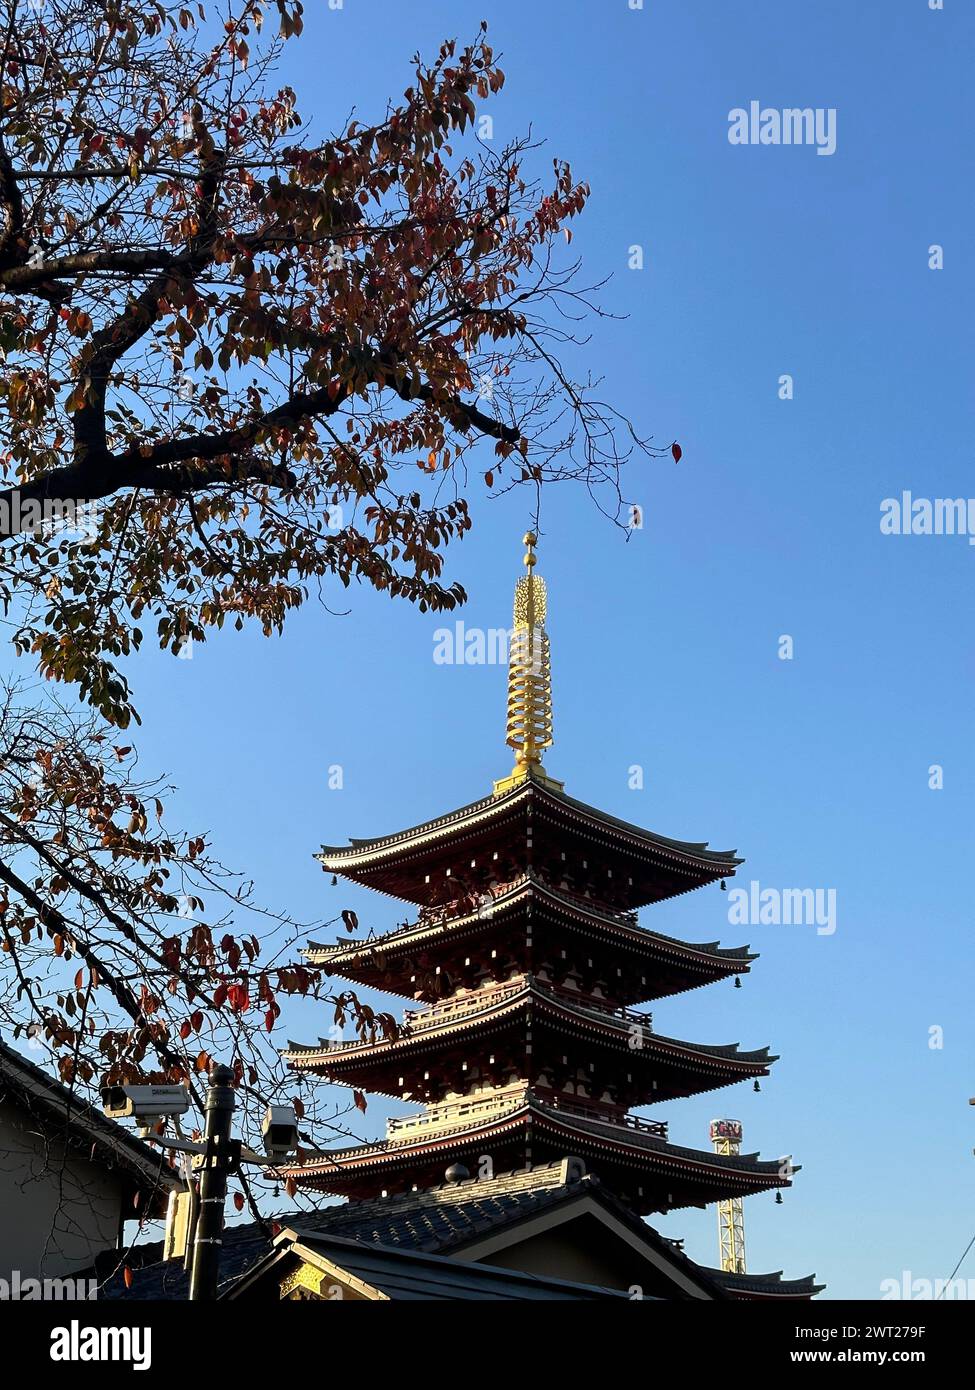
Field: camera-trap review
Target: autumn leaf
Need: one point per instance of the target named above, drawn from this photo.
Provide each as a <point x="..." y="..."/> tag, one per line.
<point x="676" y="450"/>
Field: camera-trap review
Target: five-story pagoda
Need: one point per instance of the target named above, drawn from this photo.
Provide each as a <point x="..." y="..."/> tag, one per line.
<point x="527" y="959"/>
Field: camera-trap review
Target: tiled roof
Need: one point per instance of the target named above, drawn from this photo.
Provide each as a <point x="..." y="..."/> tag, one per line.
<point x="497" y="1005"/>
<point x="770" y="1285"/>
<point x="335" y="856"/>
<point x="342" y="949"/>
<point x="570" y="1127"/>
<point x="438" y="1220"/>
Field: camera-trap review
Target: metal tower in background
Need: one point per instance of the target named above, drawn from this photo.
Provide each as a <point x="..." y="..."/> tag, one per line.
<point x="726" y="1138"/>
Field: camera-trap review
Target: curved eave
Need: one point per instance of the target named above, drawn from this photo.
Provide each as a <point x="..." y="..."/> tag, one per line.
<point x="727" y="1061"/>
<point x="772" y="1286"/>
<point x="708" y="957"/>
<point x="656" y="1157"/>
<point x="359" y="856"/>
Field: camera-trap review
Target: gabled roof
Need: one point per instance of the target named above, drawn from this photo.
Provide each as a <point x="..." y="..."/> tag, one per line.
<point x="65" y="1115"/>
<point x="460" y="1219"/>
<point x="375" y="1272"/>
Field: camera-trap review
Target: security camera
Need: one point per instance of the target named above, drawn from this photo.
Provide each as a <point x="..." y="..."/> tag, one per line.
<point x="146" y="1103"/>
<point x="280" y="1131"/>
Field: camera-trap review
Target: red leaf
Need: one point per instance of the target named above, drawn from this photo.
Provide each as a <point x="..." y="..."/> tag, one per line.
<point x="238" y="998"/>
<point x="239" y="1201"/>
<point x="676" y="450"/>
<point x="360" y="1101"/>
<point x="127" y="1276"/>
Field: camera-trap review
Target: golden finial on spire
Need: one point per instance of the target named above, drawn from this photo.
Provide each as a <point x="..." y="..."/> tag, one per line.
<point x="529" y="678"/>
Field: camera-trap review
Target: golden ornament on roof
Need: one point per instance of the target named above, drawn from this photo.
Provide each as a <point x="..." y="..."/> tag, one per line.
<point x="529" y="724"/>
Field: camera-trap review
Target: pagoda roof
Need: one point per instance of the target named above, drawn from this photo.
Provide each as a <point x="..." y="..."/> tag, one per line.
<point x="360" y="960"/>
<point x="380" y="862"/>
<point x="698" y="1176"/>
<point x="719" y="1065"/>
<point x="764" y="1285"/>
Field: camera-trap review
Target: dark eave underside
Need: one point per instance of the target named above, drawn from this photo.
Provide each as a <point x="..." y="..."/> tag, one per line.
<point x="656" y="1158"/>
<point x="707" y="957"/>
<point x="581" y="1021"/>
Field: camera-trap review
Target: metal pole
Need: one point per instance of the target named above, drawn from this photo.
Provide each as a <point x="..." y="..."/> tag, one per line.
<point x="217" y="1163"/>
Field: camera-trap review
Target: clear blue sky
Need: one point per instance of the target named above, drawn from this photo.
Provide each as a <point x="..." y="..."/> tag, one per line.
<point x="759" y="261"/>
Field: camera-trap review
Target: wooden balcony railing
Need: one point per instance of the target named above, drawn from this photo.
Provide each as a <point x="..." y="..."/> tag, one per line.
<point x="460" y="1007"/>
<point x="458" y="1114"/>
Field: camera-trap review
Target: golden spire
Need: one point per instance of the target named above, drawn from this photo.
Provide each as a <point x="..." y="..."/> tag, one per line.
<point x="529" y="679"/>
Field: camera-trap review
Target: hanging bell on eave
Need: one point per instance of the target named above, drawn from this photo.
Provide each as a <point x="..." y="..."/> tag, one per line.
<point x="778" y="1199"/>
<point x="737" y="982"/>
<point x="757" y="1086"/>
